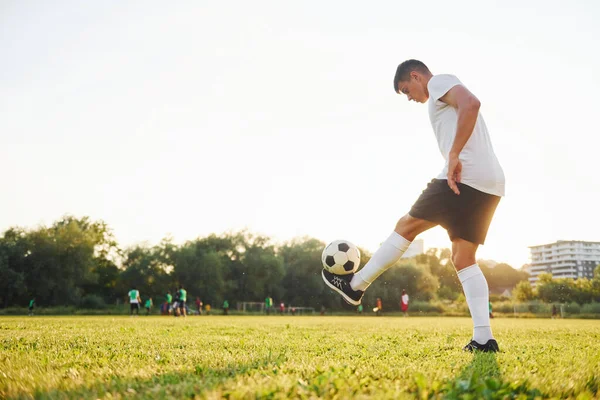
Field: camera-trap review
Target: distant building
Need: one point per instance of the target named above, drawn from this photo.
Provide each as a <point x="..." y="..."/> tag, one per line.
<point x="416" y="247"/>
<point x="564" y="259"/>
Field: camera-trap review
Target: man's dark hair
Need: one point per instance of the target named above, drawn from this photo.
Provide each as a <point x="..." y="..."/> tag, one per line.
<point x="403" y="71"/>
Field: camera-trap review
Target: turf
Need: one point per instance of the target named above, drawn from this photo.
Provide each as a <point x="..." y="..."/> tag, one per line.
<point x="297" y="357"/>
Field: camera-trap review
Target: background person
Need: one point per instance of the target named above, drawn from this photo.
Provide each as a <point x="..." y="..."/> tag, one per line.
<point x="268" y="304"/>
<point x="134" y="301"/>
<point x="225" y="307"/>
<point x="199" y="305"/>
<point x="148" y="305"/>
<point x="182" y="300"/>
<point x="169" y="300"/>
<point x="31" y="305"/>
<point x="404" y="302"/>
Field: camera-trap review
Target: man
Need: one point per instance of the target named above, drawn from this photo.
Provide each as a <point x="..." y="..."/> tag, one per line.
<point x="31" y="305"/>
<point x="199" y="305"/>
<point x="462" y="198"/>
<point x="182" y="300"/>
<point x="148" y="305"/>
<point x="225" y="307"/>
<point x="175" y="304"/>
<point x="379" y="307"/>
<point x="404" y="303"/>
<point x="134" y="301"/>
<point x="268" y="304"/>
<point x="169" y="300"/>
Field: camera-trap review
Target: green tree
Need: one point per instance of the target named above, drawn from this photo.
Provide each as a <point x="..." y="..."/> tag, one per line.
<point x="202" y="270"/>
<point x="143" y="269"/>
<point x="555" y="290"/>
<point x="302" y="282"/>
<point x="503" y="276"/>
<point x="524" y="292"/>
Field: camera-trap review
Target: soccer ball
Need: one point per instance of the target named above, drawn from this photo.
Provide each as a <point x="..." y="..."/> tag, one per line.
<point x="341" y="257"/>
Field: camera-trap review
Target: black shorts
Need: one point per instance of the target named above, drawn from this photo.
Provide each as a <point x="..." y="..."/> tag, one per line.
<point x="466" y="216"/>
<point x="134" y="306"/>
<point x="181" y="304"/>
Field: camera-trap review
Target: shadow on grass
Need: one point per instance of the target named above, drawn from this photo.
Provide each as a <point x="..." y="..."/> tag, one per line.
<point x="185" y="384"/>
<point x="481" y="379"/>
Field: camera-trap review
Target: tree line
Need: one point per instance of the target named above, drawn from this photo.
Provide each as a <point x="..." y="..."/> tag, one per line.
<point x="78" y="262"/>
<point x="562" y="290"/>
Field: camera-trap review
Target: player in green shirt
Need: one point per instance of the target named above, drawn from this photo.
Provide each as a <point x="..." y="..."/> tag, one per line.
<point x="182" y="300"/>
<point x="148" y="305"/>
<point x="225" y="307"/>
<point x="168" y="303"/>
<point x="134" y="301"/>
<point x="31" y="305"/>
<point x="268" y="304"/>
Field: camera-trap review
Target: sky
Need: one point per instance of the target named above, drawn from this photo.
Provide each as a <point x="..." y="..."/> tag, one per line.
<point x="191" y="118"/>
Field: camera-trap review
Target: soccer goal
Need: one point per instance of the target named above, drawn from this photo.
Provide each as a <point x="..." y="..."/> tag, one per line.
<point x="293" y="310"/>
<point x="251" y="307"/>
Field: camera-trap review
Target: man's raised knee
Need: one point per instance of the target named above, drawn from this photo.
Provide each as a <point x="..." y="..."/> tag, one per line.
<point x="409" y="227"/>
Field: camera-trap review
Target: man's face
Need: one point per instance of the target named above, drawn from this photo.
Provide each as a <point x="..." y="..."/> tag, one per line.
<point x="415" y="88"/>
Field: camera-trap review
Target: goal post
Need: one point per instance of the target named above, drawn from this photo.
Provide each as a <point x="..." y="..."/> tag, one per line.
<point x="251" y="307"/>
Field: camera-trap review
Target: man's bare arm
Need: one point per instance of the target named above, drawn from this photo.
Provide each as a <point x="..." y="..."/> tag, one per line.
<point x="467" y="106"/>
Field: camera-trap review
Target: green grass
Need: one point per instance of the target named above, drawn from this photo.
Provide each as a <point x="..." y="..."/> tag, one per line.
<point x="298" y="357"/>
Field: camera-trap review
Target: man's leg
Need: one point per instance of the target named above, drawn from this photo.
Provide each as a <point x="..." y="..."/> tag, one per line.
<point x="390" y="251"/>
<point x="475" y="287"/>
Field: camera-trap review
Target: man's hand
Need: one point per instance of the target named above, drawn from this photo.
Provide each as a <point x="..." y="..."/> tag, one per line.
<point x="454" y="172"/>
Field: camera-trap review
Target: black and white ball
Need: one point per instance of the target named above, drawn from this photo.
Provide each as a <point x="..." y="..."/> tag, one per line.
<point x="341" y="257"/>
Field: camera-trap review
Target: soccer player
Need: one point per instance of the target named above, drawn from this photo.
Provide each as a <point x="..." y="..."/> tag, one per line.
<point x="225" y="307"/>
<point x="134" y="301"/>
<point x="169" y="300"/>
<point x="404" y="303"/>
<point x="31" y="305"/>
<point x="462" y="198"/>
<point x="175" y="305"/>
<point x="199" y="305"/>
<point x="268" y="304"/>
<point x="148" y="305"/>
<point x="182" y="300"/>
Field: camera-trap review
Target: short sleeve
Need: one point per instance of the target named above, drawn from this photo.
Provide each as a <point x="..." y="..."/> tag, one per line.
<point x="439" y="85"/>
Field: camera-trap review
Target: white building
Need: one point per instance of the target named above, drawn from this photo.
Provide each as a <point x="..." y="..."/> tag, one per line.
<point x="416" y="247"/>
<point x="564" y="259"/>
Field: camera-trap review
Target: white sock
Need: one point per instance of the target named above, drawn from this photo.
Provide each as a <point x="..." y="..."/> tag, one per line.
<point x="476" y="292"/>
<point x="390" y="251"/>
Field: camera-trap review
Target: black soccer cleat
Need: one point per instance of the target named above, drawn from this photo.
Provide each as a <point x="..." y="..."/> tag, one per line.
<point x="490" y="347"/>
<point x="341" y="284"/>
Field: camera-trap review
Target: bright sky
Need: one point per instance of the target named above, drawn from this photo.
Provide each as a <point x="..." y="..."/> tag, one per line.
<point x="280" y="117"/>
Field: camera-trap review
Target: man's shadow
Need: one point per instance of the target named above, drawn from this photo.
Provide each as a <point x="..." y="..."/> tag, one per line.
<point x="482" y="378"/>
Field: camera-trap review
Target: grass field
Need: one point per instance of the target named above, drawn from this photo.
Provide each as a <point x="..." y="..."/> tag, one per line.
<point x="298" y="357"/>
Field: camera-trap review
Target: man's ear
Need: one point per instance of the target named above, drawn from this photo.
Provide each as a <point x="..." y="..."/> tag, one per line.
<point x="415" y="75"/>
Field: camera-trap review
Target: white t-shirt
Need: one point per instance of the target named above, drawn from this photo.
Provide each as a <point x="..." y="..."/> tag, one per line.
<point x="404" y="299"/>
<point x="133" y="295"/>
<point x="480" y="167"/>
